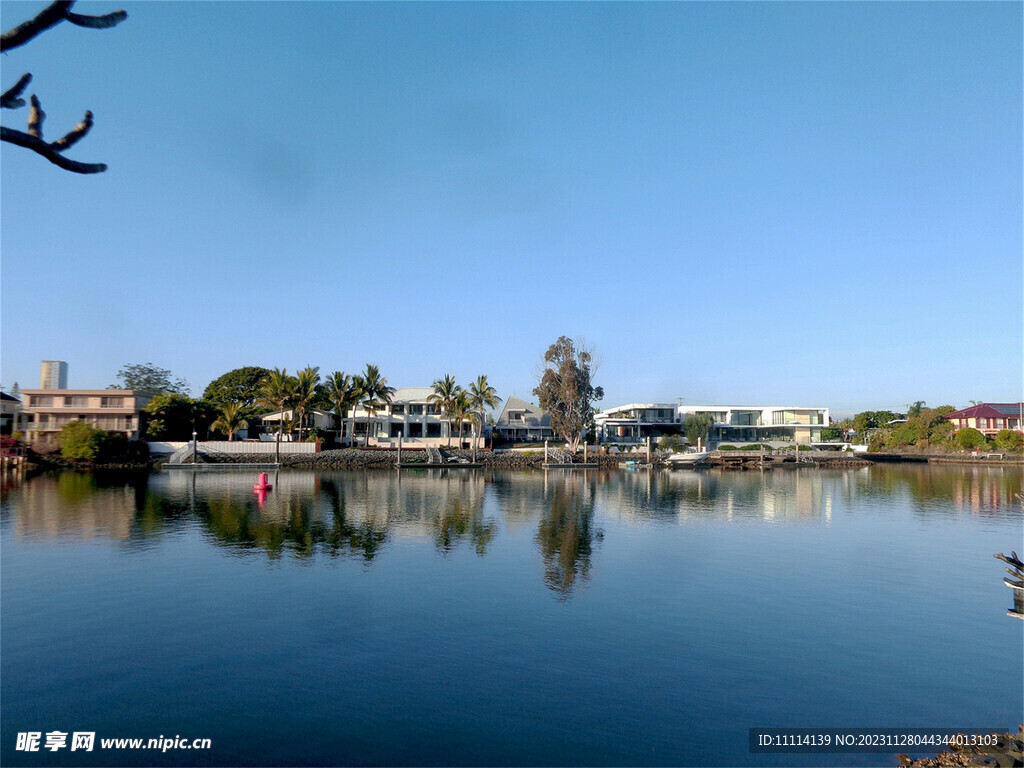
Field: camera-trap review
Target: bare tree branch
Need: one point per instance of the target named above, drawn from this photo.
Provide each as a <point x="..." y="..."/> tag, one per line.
<point x="35" y="118"/>
<point x="75" y="135"/>
<point x="10" y="98"/>
<point x="97" y="22"/>
<point x="53" y="14"/>
<point x="50" y="16"/>
<point x="41" y="147"/>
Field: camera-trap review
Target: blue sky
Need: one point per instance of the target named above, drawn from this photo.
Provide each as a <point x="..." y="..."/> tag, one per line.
<point x="779" y="203"/>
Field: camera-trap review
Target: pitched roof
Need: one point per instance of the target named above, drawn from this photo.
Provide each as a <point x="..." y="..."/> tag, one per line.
<point x="987" y="410"/>
<point x="5" y="396"/>
<point x="533" y="415"/>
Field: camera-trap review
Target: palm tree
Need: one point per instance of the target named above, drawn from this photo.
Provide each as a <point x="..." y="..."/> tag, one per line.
<point x="444" y="394"/>
<point x="307" y="392"/>
<point x="482" y="395"/>
<point x="278" y="392"/>
<point x="342" y="393"/>
<point x="230" y="420"/>
<point x="461" y="408"/>
<point x="374" y="392"/>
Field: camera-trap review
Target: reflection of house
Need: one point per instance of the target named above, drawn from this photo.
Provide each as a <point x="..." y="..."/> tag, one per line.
<point x="749" y="423"/>
<point x="520" y="420"/>
<point x="9" y="406"/>
<point x="989" y="418"/>
<point x="44" y="412"/>
<point x="634" y="422"/>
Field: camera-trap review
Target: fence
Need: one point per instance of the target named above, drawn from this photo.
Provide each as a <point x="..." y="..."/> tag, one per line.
<point x="234" y="448"/>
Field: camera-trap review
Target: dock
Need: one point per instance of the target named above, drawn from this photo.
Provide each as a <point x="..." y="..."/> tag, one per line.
<point x="224" y="467"/>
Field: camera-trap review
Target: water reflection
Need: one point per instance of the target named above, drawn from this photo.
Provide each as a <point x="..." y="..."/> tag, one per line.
<point x="565" y="533"/>
<point x="358" y="514"/>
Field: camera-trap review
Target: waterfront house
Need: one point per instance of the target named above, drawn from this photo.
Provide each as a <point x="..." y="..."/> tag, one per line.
<point x="9" y="407"/>
<point x="44" y="412"/>
<point x="634" y="422"/>
<point x="761" y="423"/>
<point x="409" y="417"/>
<point x="520" y="420"/>
<point x="989" y="418"/>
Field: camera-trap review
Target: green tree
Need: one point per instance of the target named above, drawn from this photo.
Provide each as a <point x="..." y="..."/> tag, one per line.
<point x="307" y="393"/>
<point x="915" y="408"/>
<point x="241" y="385"/>
<point x="697" y="426"/>
<point x="277" y="393"/>
<point x="482" y="395"/>
<point x="230" y="420"/>
<point x="446" y="391"/>
<point x="461" y="410"/>
<point x="566" y="388"/>
<point x="78" y="440"/>
<point x="343" y="395"/>
<point x="150" y="378"/>
<point x="375" y="393"/>
<point x="1009" y="440"/>
<point x="173" y="416"/>
<point x="969" y="439"/>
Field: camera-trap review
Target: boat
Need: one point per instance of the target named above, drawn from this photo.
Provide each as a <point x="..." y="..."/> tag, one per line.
<point x="688" y="459"/>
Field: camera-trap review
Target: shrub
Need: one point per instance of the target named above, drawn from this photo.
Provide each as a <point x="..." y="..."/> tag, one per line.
<point x="1009" y="439"/>
<point x="969" y="439"/>
<point x="727" y="448"/>
<point x="671" y="443"/>
<point x="79" y="440"/>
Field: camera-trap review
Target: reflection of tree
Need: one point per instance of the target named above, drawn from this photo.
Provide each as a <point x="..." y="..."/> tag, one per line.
<point x="292" y="526"/>
<point x="566" y="535"/>
<point x="460" y="519"/>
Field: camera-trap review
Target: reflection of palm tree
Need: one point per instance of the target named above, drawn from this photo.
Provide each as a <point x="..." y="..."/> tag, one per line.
<point x="482" y="395"/>
<point x="459" y="519"/>
<point x="444" y="395"/>
<point x="278" y="392"/>
<point x="565" y="537"/>
<point x="375" y="393"/>
<point x="230" y="420"/>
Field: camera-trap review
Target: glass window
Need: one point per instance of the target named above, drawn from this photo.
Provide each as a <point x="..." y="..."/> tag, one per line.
<point x="416" y="409"/>
<point x="39" y="400"/>
<point x="398" y="409"/>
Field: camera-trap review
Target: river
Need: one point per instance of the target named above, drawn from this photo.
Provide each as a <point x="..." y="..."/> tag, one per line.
<point x="468" y="617"/>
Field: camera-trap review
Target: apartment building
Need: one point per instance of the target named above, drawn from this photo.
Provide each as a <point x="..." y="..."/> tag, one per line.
<point x="635" y="422"/>
<point x="44" y="412"/>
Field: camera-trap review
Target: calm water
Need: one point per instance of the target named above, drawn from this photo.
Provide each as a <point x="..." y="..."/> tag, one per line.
<point x="479" y="618"/>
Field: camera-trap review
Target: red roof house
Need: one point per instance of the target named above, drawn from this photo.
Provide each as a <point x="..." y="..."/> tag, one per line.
<point x="989" y="418"/>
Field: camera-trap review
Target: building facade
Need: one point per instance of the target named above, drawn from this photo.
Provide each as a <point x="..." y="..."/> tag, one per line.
<point x="53" y="374"/>
<point x="44" y="412"/>
<point x="9" y="408"/>
<point x="635" y="422"/>
<point x="523" y="421"/>
<point x="761" y="423"/>
<point x="989" y="418"/>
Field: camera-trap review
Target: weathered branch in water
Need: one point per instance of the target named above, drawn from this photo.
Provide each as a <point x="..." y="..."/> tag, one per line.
<point x="10" y="98"/>
<point x="39" y="146"/>
<point x="53" y="15"/>
<point x="1012" y="560"/>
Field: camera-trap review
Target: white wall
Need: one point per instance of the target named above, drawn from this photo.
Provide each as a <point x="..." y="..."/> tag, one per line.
<point x="237" y="447"/>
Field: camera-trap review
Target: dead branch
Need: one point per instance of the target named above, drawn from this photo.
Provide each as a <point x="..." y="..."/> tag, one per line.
<point x="39" y="146"/>
<point x="1012" y="560"/>
<point x="53" y="14"/>
<point x="10" y="98"/>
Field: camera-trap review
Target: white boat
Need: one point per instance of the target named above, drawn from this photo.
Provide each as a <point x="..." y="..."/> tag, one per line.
<point x="688" y="459"/>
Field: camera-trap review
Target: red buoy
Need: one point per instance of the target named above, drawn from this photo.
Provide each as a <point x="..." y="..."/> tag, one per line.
<point x="262" y="485"/>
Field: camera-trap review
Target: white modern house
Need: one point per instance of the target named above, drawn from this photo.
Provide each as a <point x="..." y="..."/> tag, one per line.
<point x="761" y="423"/>
<point x="634" y="422"/>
